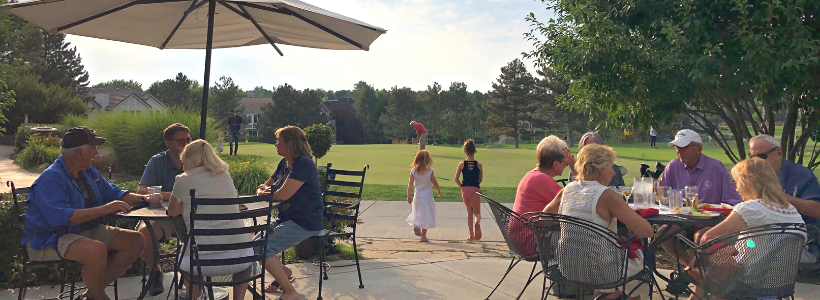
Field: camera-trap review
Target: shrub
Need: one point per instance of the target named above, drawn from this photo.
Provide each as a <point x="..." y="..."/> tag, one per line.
<point x="134" y="138"/>
<point x="320" y="138"/>
<point x="247" y="172"/>
<point x="40" y="150"/>
<point x="24" y="132"/>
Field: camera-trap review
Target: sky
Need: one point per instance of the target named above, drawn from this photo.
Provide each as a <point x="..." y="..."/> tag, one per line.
<point x="427" y="41"/>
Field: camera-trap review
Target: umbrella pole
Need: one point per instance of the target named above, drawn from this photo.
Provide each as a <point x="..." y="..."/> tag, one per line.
<point x="203" y="122"/>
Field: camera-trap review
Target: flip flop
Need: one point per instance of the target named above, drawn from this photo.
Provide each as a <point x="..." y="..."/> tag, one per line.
<point x="274" y="286"/>
<point x="477" y="231"/>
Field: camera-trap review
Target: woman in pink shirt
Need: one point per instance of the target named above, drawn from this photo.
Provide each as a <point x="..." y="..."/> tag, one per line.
<point x="538" y="187"/>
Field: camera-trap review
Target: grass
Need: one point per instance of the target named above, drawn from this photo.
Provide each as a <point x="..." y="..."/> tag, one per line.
<point x="503" y="167"/>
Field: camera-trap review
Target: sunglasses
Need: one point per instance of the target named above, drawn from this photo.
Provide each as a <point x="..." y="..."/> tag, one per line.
<point x="182" y="141"/>
<point x="764" y="155"/>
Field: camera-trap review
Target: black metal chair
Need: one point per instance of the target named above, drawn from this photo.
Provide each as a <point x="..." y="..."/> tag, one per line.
<point x="519" y="238"/>
<point x="340" y="211"/>
<point x="759" y="262"/>
<point x="582" y="254"/>
<point x="63" y="265"/>
<point x="563" y="182"/>
<point x="263" y="208"/>
<point x="814" y="236"/>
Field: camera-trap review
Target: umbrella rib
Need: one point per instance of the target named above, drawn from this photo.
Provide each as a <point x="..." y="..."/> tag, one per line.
<point x="191" y="8"/>
<point x="110" y="11"/>
<point x="306" y="20"/>
<point x="265" y="34"/>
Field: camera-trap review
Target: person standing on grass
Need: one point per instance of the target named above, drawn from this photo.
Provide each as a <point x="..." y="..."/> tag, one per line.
<point x="235" y="128"/>
<point x="421" y="132"/>
<point x="423" y="216"/>
<point x="653" y="135"/>
<point x="473" y="175"/>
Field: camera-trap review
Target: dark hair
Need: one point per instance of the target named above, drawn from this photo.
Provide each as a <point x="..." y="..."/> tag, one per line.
<point x="469" y="147"/>
<point x="172" y="130"/>
<point x="232" y="110"/>
<point x="297" y="142"/>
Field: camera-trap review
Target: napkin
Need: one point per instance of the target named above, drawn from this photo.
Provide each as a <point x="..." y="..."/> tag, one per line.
<point x="647" y="212"/>
<point x="722" y="211"/>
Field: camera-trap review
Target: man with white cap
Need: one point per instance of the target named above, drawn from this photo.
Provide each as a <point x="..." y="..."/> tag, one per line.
<point x="693" y="168"/>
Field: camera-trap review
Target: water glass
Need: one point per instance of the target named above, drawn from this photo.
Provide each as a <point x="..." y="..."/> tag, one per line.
<point x="676" y="200"/>
<point x="691" y="195"/>
<point x="642" y="192"/>
<point x="154" y="196"/>
<point x="663" y="196"/>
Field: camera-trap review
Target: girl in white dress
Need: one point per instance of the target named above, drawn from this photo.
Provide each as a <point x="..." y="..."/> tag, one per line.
<point x="423" y="216"/>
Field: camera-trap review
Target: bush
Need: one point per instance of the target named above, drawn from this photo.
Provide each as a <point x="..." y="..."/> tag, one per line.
<point x="24" y="132"/>
<point x="40" y="150"/>
<point x="320" y="138"/>
<point x="247" y="172"/>
<point x="134" y="138"/>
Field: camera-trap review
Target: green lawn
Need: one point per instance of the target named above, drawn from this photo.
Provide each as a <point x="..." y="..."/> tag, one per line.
<point x="503" y="167"/>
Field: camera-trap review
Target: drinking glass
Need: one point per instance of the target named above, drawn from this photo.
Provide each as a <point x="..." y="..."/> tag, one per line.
<point x="691" y="195"/>
<point x="663" y="196"/>
<point x="676" y="200"/>
<point x="155" y="196"/>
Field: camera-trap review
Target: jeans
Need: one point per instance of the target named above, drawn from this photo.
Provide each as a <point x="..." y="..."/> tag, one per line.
<point x="233" y="141"/>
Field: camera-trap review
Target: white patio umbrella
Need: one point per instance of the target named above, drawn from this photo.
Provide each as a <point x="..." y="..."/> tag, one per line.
<point x="200" y="24"/>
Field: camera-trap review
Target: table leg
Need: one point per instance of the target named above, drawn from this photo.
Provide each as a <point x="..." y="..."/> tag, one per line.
<point x="155" y="265"/>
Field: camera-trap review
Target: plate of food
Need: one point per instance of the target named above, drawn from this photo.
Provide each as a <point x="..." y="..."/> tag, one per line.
<point x="693" y="214"/>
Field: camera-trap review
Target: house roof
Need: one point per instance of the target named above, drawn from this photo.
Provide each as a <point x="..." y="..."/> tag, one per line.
<point x="117" y="95"/>
<point x="329" y="105"/>
<point x="254" y="105"/>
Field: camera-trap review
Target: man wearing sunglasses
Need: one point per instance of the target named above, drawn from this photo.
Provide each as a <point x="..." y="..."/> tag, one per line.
<point x="797" y="181"/>
<point x="162" y="170"/>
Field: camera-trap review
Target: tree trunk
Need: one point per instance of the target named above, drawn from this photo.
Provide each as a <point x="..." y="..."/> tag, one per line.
<point x="787" y="136"/>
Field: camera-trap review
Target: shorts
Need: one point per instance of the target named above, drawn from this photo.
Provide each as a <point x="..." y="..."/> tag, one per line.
<point x="468" y="194"/>
<point x="285" y="235"/>
<point x="102" y="233"/>
<point x="172" y="227"/>
<point x="423" y="139"/>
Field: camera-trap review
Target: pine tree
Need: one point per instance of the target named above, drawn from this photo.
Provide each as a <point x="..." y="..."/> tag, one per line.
<point x="63" y="66"/>
<point x="512" y="100"/>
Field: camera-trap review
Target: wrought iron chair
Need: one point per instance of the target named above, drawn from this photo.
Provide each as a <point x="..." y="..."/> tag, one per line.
<point x="814" y="236"/>
<point x="519" y="239"/>
<point x="582" y="254"/>
<point x="759" y="262"/>
<point x="335" y="212"/>
<point x="64" y="265"/>
<point x="251" y="274"/>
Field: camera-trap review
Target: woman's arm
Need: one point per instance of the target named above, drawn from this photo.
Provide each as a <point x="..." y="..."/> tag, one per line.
<point x="457" y="178"/>
<point x="262" y="189"/>
<point x="621" y="210"/>
<point x="174" y="207"/>
<point x="553" y="206"/>
<point x="287" y="190"/>
<point x="435" y="183"/>
<point x="733" y="223"/>
<point x="480" y="173"/>
<point x="410" y="189"/>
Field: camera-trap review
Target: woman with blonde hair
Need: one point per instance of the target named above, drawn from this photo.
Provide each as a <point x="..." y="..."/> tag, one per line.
<point x="764" y="202"/>
<point x="295" y="181"/>
<point x="208" y="175"/>
<point x="589" y="199"/>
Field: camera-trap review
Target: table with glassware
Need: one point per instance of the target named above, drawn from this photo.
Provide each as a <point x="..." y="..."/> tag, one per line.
<point x="677" y="210"/>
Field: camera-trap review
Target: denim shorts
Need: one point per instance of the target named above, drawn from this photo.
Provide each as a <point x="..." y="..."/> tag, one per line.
<point x="285" y="235"/>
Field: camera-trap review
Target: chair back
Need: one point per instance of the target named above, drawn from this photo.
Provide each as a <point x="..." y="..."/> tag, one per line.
<point x="342" y="195"/>
<point x="579" y="252"/>
<point x="258" y="207"/>
<point x="514" y="229"/>
<point x="757" y="262"/>
<point x="19" y="204"/>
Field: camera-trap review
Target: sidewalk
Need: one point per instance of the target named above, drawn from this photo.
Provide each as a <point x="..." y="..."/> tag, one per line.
<point x="12" y="172"/>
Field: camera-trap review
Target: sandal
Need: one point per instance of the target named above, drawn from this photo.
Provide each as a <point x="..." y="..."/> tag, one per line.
<point x="274" y="286"/>
<point x="608" y="296"/>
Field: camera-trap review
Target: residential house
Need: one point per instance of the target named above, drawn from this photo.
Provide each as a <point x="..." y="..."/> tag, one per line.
<point x="250" y="109"/>
<point x="329" y="105"/>
<point x="123" y="99"/>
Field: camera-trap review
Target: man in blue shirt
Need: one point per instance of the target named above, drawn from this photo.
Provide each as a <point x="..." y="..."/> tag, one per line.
<point x="797" y="181"/>
<point x="162" y="170"/>
<point x="64" y="218"/>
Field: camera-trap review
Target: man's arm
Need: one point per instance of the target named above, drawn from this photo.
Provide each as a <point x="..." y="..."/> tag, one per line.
<point x="809" y="208"/>
<point x="87" y="214"/>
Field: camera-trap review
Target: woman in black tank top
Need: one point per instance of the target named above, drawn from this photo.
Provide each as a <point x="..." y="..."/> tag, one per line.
<point x="473" y="175"/>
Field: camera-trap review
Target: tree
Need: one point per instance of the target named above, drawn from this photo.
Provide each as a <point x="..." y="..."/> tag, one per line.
<point x="224" y="96"/>
<point x="6" y="102"/>
<point x="349" y="129"/>
<point x="457" y="120"/>
<point x="320" y="139"/>
<point x="260" y="92"/>
<point x="647" y="63"/>
<point x="402" y="108"/>
<point x="180" y="92"/>
<point x="21" y="44"/>
<point x="369" y="108"/>
<point x="433" y="110"/>
<point x="551" y="115"/>
<point x="120" y="83"/>
<point x="63" y="66"/>
<point x="291" y="107"/>
<point x="512" y="100"/>
<point x="43" y="103"/>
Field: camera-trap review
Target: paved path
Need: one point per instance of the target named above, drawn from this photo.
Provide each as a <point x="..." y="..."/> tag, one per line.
<point x="12" y="172"/>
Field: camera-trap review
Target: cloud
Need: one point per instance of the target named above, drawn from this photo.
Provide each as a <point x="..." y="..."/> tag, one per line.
<point x="427" y="41"/>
